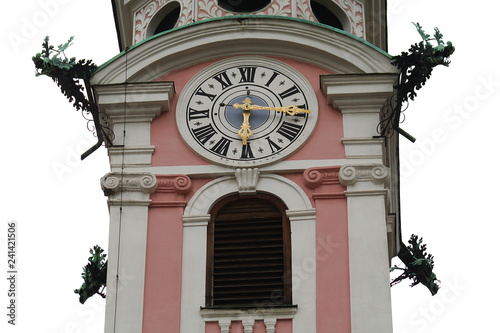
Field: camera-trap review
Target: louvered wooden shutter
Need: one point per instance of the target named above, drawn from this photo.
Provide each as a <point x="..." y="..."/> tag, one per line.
<point x="249" y="259"/>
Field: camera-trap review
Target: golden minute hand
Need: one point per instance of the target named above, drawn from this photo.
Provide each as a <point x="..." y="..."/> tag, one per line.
<point x="292" y="110"/>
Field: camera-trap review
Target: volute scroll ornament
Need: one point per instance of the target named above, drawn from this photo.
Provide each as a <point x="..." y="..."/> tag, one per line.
<point x="113" y="182"/>
<point x="376" y="173"/>
<point x="174" y="183"/>
<point x="315" y="177"/>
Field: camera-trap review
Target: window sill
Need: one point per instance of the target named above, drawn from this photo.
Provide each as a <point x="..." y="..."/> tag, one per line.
<point x="218" y="314"/>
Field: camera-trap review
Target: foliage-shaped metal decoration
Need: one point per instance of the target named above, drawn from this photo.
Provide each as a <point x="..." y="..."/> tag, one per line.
<point x="94" y="275"/>
<point x="67" y="74"/>
<point x="419" y="265"/>
<point x="415" y="67"/>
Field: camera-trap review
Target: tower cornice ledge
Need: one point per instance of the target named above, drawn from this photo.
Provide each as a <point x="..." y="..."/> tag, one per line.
<point x="137" y="102"/>
<point x="334" y="50"/>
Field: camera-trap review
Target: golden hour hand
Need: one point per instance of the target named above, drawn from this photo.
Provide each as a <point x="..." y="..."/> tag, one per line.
<point x="245" y="132"/>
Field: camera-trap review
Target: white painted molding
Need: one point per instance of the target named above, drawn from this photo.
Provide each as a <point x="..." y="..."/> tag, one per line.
<point x="248" y="325"/>
<point x="364" y="148"/>
<point x="196" y="221"/>
<point x="334" y="51"/>
<point x="301" y="215"/>
<point x="291" y="193"/>
<point x="130" y="157"/>
<point x="376" y="173"/>
<point x="225" y="325"/>
<point x="270" y="325"/>
<point x="247" y="180"/>
<point x="211" y="171"/>
<point x="358" y="92"/>
<point x="253" y="314"/>
<point x="144" y="101"/>
<point x="131" y="108"/>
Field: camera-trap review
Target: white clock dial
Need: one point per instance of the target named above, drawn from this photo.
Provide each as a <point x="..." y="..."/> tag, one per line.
<point x="209" y="122"/>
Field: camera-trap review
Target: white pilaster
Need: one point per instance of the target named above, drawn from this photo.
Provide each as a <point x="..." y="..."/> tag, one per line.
<point x="368" y="267"/>
<point x="128" y="204"/>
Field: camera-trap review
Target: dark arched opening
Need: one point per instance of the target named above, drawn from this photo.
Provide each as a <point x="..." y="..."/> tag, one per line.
<point x="248" y="253"/>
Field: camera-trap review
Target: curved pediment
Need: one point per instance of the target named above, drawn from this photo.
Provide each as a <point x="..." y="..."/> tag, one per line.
<point x="329" y="48"/>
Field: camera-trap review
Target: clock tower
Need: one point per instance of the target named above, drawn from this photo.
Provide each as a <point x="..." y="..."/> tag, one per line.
<point x="249" y="188"/>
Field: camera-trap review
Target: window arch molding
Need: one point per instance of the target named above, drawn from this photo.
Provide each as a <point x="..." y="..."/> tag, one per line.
<point x="196" y="217"/>
<point x="289" y="192"/>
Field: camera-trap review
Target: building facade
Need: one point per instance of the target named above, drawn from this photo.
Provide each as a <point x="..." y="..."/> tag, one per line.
<point x="249" y="188"/>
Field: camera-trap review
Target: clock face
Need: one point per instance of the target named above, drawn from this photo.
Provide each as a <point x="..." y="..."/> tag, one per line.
<point x="210" y="116"/>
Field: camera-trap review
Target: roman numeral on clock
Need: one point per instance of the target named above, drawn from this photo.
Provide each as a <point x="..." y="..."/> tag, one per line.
<point x="271" y="79"/>
<point x="247" y="74"/>
<point x="223" y="79"/>
<point x="222" y="146"/>
<point x="273" y="145"/>
<point x="289" y="92"/>
<point x="289" y="130"/>
<point x="197" y="114"/>
<point x="204" y="133"/>
<point x="246" y="151"/>
<point x="202" y="93"/>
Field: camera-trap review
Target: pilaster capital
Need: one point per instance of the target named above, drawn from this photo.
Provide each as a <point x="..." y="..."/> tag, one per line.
<point x="318" y="176"/>
<point x="114" y="182"/>
<point x="376" y="173"/>
<point x="171" y="191"/>
<point x="173" y="183"/>
<point x="325" y="181"/>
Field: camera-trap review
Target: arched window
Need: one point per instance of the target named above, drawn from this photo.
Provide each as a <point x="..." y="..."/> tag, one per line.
<point x="243" y="6"/>
<point x="327" y="13"/>
<point x="165" y="19"/>
<point x="248" y="253"/>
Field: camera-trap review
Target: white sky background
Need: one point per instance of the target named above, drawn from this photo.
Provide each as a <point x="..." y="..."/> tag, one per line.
<point x="449" y="175"/>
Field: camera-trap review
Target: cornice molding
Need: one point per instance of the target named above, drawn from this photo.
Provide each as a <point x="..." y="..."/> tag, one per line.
<point x="376" y="173"/>
<point x="135" y="102"/>
<point x="365" y="92"/>
<point x="336" y="51"/>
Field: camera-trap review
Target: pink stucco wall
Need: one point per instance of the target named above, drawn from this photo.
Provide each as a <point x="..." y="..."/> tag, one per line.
<point x="325" y="142"/>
